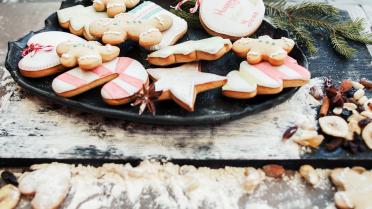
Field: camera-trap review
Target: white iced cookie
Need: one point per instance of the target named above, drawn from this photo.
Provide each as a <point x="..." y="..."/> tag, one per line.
<point x="49" y="185"/>
<point x="78" y="18"/>
<point x="231" y="19"/>
<point x="40" y="56"/>
<point x="148" y="10"/>
<point x="354" y="188"/>
<point x="114" y="7"/>
<point x="183" y="83"/>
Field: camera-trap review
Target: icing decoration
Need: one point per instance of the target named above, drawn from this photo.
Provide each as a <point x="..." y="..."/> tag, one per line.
<point x="233" y="18"/>
<point x="249" y="77"/>
<point x="209" y="45"/>
<point x="264" y="48"/>
<point x="192" y="10"/>
<point x="131" y="76"/>
<point x="87" y="55"/>
<point x="148" y="10"/>
<point x="34" y="48"/>
<point x="78" y="19"/>
<point x="127" y="27"/>
<point x="181" y="82"/>
<point x="44" y="44"/>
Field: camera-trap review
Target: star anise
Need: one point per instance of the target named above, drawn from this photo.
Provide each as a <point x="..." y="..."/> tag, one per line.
<point x="336" y="94"/>
<point x="145" y="99"/>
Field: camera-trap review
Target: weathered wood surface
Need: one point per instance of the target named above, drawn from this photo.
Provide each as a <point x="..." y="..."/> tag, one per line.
<point x="32" y="127"/>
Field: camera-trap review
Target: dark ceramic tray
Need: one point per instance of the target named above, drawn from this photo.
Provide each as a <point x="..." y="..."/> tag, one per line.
<point x="210" y="108"/>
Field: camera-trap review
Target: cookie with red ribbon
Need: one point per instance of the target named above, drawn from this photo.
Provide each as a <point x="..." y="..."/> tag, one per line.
<point x="231" y="19"/>
<point x="40" y="58"/>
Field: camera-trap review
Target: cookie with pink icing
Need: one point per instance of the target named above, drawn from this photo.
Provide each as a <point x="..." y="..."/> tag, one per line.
<point x="40" y="58"/>
<point x="231" y="19"/>
<point x="149" y="10"/>
<point x="88" y="55"/>
<point x="123" y="77"/>
<point x="265" y="48"/>
<point x="263" y="78"/>
<point x="183" y="83"/>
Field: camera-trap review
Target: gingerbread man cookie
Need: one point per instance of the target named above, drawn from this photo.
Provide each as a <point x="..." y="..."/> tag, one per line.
<point x="87" y="55"/>
<point x="274" y="51"/>
<point x="114" y="7"/>
<point x="124" y="26"/>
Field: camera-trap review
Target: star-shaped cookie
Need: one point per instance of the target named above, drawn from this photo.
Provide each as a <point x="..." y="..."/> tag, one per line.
<point x="183" y="83"/>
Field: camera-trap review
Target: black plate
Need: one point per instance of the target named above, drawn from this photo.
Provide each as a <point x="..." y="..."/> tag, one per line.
<point x="211" y="107"/>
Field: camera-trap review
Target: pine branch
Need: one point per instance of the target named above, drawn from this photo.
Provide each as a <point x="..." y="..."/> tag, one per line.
<point x="341" y="46"/>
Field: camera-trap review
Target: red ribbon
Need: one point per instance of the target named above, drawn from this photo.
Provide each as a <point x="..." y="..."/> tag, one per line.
<point x="192" y="10"/>
<point x="34" y="48"/>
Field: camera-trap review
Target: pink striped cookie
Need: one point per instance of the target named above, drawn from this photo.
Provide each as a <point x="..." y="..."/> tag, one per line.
<point x="124" y="77"/>
<point x="264" y="78"/>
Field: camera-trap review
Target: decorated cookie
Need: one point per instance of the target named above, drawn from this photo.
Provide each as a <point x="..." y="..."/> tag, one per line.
<point x="88" y="55"/>
<point x="148" y="10"/>
<point x="9" y="197"/>
<point x="263" y="78"/>
<point x="78" y="18"/>
<point x="114" y="7"/>
<point x="124" y="26"/>
<point x="231" y="19"/>
<point x="183" y="83"/>
<point x="354" y="188"/>
<point x="40" y="58"/>
<point x="124" y="77"/>
<point x="49" y="185"/>
<point x="206" y="49"/>
<point x="264" y="48"/>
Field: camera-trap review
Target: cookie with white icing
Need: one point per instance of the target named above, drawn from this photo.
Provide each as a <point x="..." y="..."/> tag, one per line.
<point x="124" y="77"/>
<point x="114" y="7"/>
<point x="206" y="49"/>
<point x="265" y="48"/>
<point x="183" y="83"/>
<point x="231" y="18"/>
<point x="78" y="18"/>
<point x="354" y="188"/>
<point x="148" y="10"/>
<point x="263" y="78"/>
<point x="124" y="26"/>
<point x="48" y="186"/>
<point x="40" y="58"/>
<point x="88" y="55"/>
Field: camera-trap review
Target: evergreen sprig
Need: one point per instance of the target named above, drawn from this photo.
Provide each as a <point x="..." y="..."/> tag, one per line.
<point x="301" y="20"/>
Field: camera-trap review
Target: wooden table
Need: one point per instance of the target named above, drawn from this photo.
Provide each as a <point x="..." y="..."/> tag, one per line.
<point x="34" y="128"/>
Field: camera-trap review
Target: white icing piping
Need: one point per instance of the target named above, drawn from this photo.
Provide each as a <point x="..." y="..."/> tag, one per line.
<point x="89" y="57"/>
<point x="111" y="5"/>
<point x="110" y="32"/>
<point x="149" y="31"/>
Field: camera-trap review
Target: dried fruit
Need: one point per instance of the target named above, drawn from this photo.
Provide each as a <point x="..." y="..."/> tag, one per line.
<point x="350" y="93"/>
<point x="345" y="114"/>
<point x="9" y="197"/>
<point x="368" y="105"/>
<point x="346" y="85"/>
<point x="273" y="170"/>
<point x="290" y="132"/>
<point x="325" y="107"/>
<point x="366" y="114"/>
<point x="366" y="83"/>
<point x="334" y="126"/>
<point x="9" y="178"/>
<point x="337" y="110"/>
<point x="363" y="123"/>
<point x="357" y="85"/>
<point x="313" y="142"/>
<point x="363" y="100"/>
<point x="367" y="135"/>
<point x="334" y="144"/>
<point x="350" y="106"/>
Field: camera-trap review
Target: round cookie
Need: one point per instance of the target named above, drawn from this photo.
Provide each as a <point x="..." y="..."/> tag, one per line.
<point x="41" y="58"/>
<point x="231" y="19"/>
